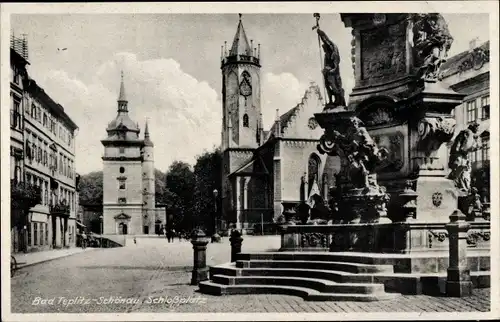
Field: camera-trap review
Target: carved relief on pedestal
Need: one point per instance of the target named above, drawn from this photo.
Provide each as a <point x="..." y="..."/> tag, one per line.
<point x="394" y="144"/>
<point x="383" y="52"/>
<point x="434" y="131"/>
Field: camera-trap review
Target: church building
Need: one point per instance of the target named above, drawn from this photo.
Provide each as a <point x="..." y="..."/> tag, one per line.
<point x="264" y="169"/>
<point x="128" y="176"/>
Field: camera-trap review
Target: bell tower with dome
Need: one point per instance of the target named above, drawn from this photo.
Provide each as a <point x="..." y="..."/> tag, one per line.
<point x="127" y="205"/>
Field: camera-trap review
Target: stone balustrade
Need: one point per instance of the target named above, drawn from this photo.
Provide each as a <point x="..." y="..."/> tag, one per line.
<point x="405" y="237"/>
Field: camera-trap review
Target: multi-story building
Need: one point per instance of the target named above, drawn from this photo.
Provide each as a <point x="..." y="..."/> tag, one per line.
<point x="469" y="73"/>
<point x="49" y="144"/>
<point x="128" y="176"/>
<point x="18" y="80"/>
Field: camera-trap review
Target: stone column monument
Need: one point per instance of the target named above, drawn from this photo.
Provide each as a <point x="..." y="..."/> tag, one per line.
<point x="404" y="106"/>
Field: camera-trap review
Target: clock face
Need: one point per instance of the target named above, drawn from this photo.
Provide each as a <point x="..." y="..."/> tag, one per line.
<point x="245" y="88"/>
<point x="312" y="123"/>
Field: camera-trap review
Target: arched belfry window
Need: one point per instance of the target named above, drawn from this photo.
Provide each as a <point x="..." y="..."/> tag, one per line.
<point x="245" y="120"/>
<point x="313" y="171"/>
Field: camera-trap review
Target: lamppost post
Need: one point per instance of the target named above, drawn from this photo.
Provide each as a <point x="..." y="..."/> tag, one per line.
<point x="215" y="236"/>
<point x="101" y="217"/>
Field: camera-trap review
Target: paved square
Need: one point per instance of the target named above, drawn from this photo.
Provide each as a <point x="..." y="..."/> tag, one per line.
<point x="154" y="276"/>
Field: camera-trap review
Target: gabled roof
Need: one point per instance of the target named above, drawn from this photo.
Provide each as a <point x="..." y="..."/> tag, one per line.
<point x="286" y="118"/>
<point x="255" y="166"/>
<point x="240" y="42"/>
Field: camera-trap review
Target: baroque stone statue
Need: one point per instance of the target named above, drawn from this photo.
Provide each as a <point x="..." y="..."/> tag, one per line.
<point x="331" y="71"/>
<point x="362" y="153"/>
<point x="459" y="163"/>
<point x="431" y="42"/>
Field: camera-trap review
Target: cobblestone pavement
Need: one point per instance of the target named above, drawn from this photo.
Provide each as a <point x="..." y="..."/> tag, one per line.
<point x="154" y="270"/>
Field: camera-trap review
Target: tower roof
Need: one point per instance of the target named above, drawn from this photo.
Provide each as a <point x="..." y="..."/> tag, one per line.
<point x="147" y="140"/>
<point x="122" y="97"/>
<point x="240" y="43"/>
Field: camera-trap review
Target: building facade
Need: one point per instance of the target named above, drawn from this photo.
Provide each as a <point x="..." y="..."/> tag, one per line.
<point x="42" y="156"/>
<point x="18" y="80"/>
<point x="264" y="169"/>
<point x="128" y="176"/>
<point x="469" y="73"/>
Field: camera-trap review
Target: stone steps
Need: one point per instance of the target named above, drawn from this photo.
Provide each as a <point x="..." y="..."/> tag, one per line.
<point x="308" y="294"/>
<point x="328" y="276"/>
<point x="320" y="285"/>
<point x="325" y="265"/>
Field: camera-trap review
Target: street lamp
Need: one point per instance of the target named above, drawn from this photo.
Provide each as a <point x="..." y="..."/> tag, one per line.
<point x="101" y="217"/>
<point x="215" y="236"/>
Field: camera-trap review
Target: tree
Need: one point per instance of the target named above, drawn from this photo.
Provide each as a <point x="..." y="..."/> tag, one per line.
<point x="208" y="176"/>
<point x="91" y="188"/>
<point x="179" y="188"/>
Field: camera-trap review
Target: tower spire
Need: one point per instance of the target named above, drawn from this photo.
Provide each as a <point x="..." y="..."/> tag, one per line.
<point x="122" y="98"/>
<point x="147" y="139"/>
<point x="240" y="42"/>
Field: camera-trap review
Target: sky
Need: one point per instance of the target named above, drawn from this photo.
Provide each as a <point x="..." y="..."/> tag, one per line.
<point x="171" y="66"/>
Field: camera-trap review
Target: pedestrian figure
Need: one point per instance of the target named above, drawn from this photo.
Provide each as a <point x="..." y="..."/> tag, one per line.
<point x="169" y="235"/>
<point x="84" y="240"/>
<point x="135" y="240"/>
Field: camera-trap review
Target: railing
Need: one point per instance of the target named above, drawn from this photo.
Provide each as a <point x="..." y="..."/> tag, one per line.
<point x="379" y="238"/>
<point x="256" y="215"/>
<point x="60" y="209"/>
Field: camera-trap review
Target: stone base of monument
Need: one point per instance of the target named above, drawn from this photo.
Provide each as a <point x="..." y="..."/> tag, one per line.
<point x="324" y="262"/>
<point x="337" y="276"/>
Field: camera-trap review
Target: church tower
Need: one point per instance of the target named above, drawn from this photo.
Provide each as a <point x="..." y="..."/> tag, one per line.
<point x="148" y="182"/>
<point x="122" y="173"/>
<point x="241" y="120"/>
<point x="241" y="113"/>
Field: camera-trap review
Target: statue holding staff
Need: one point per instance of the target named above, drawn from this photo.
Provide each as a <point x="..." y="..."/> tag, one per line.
<point x="331" y="71"/>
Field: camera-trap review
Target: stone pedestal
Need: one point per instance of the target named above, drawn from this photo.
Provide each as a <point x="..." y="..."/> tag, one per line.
<point x="236" y="240"/>
<point x="200" y="269"/>
<point x="458" y="282"/>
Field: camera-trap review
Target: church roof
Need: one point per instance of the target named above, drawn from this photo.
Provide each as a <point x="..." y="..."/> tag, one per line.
<point x="255" y="166"/>
<point x="286" y="118"/>
<point x="147" y="140"/>
<point x="122" y="97"/>
<point x="240" y="43"/>
<point x="122" y="122"/>
<point x="456" y="63"/>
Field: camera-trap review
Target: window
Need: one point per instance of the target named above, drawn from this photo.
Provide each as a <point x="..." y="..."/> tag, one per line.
<point x="15" y="114"/>
<point x="245" y="120"/>
<point x="122" y="200"/>
<point x="39" y="114"/>
<point x="28" y="227"/>
<point x="471" y="111"/>
<point x="46" y="234"/>
<point x="42" y="226"/>
<point x="35" y="234"/>
<point x="485" y="147"/>
<point x="46" y="193"/>
<point x="33" y="111"/>
<point x="122" y="169"/>
<point x="485" y="107"/>
<point x="15" y="75"/>
<point x="121" y="150"/>
<point x="122" y="185"/>
<point x="45" y="122"/>
<point x="35" y="150"/>
<point x="313" y="171"/>
<point x="473" y="157"/>
<point x="45" y="158"/>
